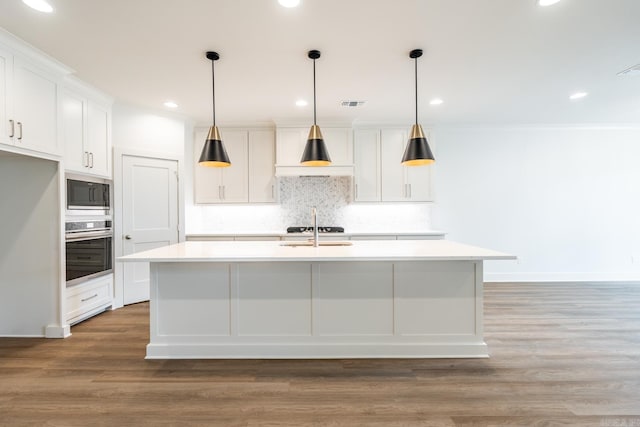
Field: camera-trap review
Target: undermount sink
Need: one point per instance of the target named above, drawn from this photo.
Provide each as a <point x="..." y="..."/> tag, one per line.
<point x="321" y="243"/>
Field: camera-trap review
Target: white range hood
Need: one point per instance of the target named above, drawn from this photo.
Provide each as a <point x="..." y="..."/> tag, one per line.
<point x="290" y="142"/>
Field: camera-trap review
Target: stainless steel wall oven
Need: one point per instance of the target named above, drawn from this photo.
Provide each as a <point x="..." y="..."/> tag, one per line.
<point x="89" y="249"/>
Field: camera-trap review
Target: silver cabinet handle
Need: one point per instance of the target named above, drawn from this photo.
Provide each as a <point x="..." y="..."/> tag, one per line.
<point x="224" y="192"/>
<point x="20" y="129"/>
<point x="88" y="298"/>
<point x="13" y="128"/>
<point x="127" y="237"/>
<point x="356" y="191"/>
<point x="220" y="192"/>
<point x="409" y="190"/>
<point x="91" y="157"/>
<point x="273" y="191"/>
<point x="85" y="159"/>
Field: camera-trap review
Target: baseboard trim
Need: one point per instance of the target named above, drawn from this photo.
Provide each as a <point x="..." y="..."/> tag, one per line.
<point x="562" y="277"/>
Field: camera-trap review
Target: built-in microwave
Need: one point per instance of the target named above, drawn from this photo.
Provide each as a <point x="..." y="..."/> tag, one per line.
<point x="88" y="196"/>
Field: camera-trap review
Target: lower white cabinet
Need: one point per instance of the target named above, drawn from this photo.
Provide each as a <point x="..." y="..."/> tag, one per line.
<point x="89" y="298"/>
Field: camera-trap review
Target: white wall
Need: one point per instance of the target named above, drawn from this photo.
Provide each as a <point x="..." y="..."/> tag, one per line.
<point x="139" y="129"/>
<point x="566" y="201"/>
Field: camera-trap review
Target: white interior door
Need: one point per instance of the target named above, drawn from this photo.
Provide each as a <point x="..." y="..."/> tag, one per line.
<point x="149" y="216"/>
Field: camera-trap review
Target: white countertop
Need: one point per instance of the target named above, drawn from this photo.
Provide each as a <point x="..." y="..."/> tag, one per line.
<point x="345" y="234"/>
<point x="270" y="251"/>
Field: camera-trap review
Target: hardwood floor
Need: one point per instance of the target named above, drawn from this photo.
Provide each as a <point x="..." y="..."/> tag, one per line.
<point x="561" y="355"/>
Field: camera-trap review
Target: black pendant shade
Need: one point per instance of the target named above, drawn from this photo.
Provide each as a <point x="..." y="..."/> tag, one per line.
<point x="417" y="152"/>
<point x="213" y="152"/>
<point x="315" y="151"/>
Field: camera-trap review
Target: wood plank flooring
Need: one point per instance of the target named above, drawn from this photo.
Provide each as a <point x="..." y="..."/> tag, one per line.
<point x="561" y="355"/>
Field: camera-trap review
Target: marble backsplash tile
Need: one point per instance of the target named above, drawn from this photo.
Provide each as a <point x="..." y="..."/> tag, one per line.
<point x="332" y="198"/>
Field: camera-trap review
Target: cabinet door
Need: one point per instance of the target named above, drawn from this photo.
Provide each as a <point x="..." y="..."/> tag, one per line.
<point x="367" y="165"/>
<point x="73" y="110"/>
<point x="339" y="143"/>
<point x="208" y="181"/>
<point x="5" y="70"/>
<point x="34" y="108"/>
<point x="99" y="139"/>
<point x="235" y="180"/>
<point x="419" y="183"/>
<point x="393" y="142"/>
<point x="261" y="167"/>
<point x="290" y="145"/>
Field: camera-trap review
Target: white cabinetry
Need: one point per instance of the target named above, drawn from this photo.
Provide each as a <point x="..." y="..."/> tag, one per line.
<point x="250" y="177"/>
<point x="290" y="146"/>
<point x="262" y="153"/>
<point x="89" y="298"/>
<point x="85" y="132"/>
<point x="28" y="107"/>
<point x="379" y="174"/>
<point x="367" y="166"/>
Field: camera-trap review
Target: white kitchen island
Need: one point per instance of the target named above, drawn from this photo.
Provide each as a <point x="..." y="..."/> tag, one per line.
<point x="265" y="300"/>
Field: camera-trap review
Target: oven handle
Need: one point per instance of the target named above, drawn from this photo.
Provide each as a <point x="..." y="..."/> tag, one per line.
<point x="88" y="235"/>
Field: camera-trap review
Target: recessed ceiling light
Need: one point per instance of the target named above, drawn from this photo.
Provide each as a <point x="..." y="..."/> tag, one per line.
<point x="436" y="101"/>
<point x="289" y="3"/>
<point x="578" y="95"/>
<point x="547" y="2"/>
<point x="301" y="103"/>
<point x="39" y="5"/>
<point x="170" y="104"/>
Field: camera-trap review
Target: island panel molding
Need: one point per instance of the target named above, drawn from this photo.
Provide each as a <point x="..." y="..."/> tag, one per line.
<point x="264" y="300"/>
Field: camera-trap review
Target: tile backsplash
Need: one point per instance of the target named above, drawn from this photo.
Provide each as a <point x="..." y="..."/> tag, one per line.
<point x="332" y="198"/>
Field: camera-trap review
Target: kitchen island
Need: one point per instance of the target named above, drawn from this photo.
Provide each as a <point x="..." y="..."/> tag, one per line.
<point x="270" y="300"/>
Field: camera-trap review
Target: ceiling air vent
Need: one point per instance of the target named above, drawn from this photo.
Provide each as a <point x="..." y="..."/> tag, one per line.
<point x="631" y="71"/>
<point x="352" y="103"/>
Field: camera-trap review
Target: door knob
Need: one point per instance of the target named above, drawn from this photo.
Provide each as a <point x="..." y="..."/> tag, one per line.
<point x="127" y="237"/>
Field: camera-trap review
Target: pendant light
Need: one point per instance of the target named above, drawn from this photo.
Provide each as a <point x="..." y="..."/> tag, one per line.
<point x="213" y="152"/>
<point x="417" y="152"/>
<point x="315" y="152"/>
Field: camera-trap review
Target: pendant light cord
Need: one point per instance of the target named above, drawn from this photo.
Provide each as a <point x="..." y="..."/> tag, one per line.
<point x="314" y="91"/>
<point x="213" y="85"/>
<point x="416" y="78"/>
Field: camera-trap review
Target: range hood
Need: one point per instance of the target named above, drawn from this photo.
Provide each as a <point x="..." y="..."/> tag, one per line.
<point x="299" y="170"/>
<point x="290" y="143"/>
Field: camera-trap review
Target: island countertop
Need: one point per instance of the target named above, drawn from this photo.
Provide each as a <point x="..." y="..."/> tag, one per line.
<point x="273" y="251"/>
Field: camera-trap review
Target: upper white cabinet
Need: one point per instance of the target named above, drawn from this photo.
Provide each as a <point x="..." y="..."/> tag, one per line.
<point x="367" y="180"/>
<point x="262" y="158"/>
<point x="85" y="128"/>
<point x="250" y="177"/>
<point x="379" y="174"/>
<point x="290" y="146"/>
<point x="5" y="70"/>
<point x="28" y="110"/>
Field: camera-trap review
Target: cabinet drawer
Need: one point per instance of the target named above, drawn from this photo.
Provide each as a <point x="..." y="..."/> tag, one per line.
<point x="83" y="299"/>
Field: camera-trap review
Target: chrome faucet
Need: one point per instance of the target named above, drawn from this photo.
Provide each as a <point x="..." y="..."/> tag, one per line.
<point x="314" y="221"/>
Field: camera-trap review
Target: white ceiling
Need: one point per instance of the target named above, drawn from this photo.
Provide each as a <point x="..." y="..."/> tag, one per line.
<point x="491" y="61"/>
